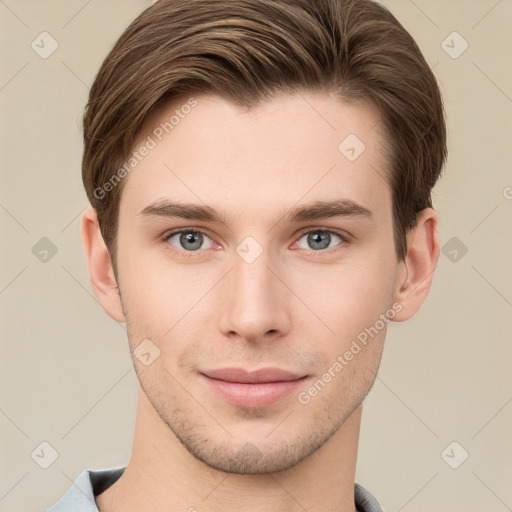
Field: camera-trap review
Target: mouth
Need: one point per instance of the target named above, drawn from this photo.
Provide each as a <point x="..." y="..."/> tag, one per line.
<point x="252" y="389"/>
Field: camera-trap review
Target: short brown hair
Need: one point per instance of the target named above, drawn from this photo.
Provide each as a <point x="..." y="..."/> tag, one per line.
<point x="244" y="51"/>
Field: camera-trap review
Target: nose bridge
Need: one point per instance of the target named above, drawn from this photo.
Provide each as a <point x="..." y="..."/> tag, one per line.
<point x="255" y="301"/>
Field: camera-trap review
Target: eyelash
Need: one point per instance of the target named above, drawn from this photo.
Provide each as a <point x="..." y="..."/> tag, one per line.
<point x="190" y="254"/>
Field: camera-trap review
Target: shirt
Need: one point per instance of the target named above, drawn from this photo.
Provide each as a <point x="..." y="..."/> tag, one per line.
<point x="80" y="496"/>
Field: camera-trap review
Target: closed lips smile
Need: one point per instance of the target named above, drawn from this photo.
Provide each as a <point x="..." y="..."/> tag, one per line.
<point x="252" y="389"/>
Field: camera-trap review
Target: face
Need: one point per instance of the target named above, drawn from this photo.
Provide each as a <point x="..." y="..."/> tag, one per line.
<point x="242" y="312"/>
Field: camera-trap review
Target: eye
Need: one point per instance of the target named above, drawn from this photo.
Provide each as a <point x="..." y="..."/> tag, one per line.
<point x="188" y="240"/>
<point x="319" y="239"/>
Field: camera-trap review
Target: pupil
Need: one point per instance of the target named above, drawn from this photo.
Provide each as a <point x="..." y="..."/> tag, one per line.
<point x="189" y="238"/>
<point x="321" y="238"/>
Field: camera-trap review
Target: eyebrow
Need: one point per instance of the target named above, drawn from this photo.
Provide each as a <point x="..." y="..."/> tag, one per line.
<point x="316" y="210"/>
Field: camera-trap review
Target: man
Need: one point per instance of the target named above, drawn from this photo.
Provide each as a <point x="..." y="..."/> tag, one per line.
<point x="259" y="173"/>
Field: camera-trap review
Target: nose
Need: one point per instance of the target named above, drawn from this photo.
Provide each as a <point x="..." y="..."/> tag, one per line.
<point x="254" y="300"/>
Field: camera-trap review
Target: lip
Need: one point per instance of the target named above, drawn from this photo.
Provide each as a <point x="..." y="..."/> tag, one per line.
<point x="252" y="389"/>
<point x="252" y="377"/>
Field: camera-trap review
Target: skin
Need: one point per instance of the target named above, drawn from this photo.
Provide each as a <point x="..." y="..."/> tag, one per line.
<point x="295" y="307"/>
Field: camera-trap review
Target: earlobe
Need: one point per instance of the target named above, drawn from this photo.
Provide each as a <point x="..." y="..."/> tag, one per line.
<point x="417" y="271"/>
<point x="99" y="266"/>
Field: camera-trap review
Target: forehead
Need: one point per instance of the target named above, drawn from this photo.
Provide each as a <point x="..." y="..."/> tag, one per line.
<point x="294" y="148"/>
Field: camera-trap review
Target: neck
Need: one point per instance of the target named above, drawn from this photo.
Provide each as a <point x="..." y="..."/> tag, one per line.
<point x="163" y="476"/>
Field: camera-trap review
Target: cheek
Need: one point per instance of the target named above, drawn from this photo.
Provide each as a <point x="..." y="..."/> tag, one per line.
<point x="347" y="298"/>
<point x="166" y="303"/>
<point x="166" y="300"/>
<point x="155" y="291"/>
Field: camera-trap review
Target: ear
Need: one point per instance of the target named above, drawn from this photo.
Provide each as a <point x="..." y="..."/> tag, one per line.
<point x="99" y="265"/>
<point x="417" y="270"/>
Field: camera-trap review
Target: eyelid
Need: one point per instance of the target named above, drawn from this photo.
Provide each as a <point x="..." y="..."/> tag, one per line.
<point x="345" y="238"/>
<point x="181" y="252"/>
<point x="341" y="233"/>
<point x="165" y="237"/>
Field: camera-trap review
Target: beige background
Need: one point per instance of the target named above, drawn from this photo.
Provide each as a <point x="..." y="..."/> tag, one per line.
<point x="66" y="373"/>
